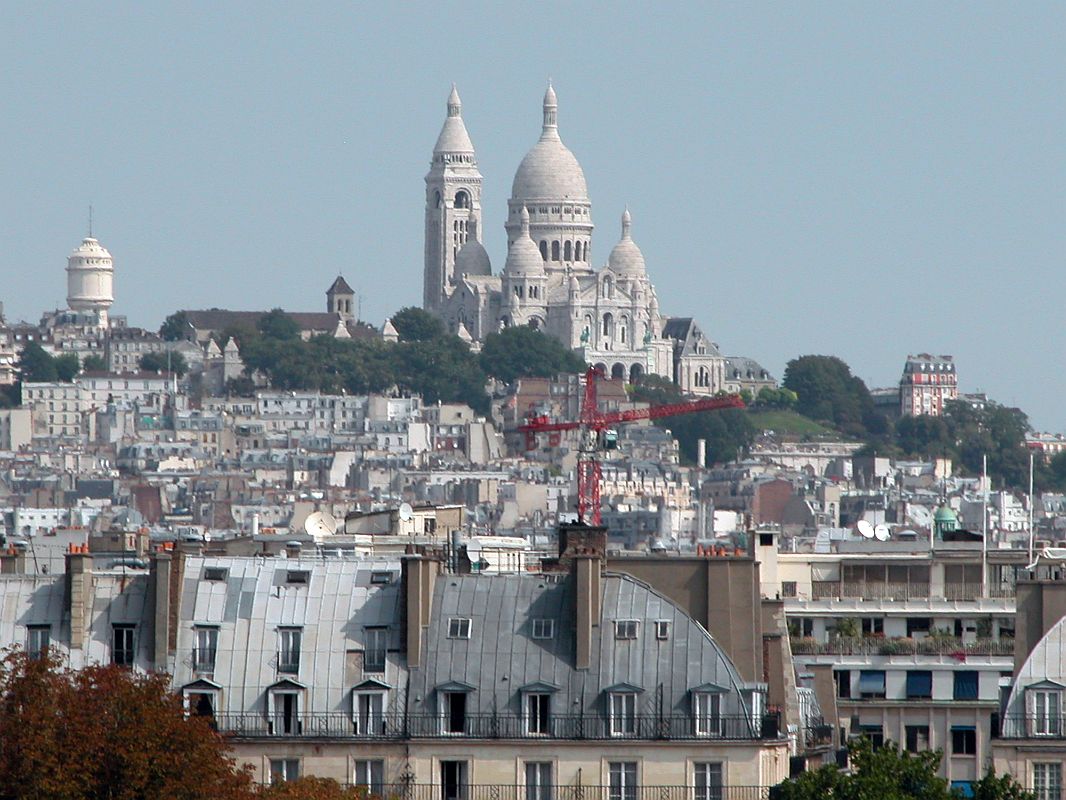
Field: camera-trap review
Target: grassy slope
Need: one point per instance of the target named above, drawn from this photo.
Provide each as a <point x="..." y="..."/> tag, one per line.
<point x="789" y="423"/>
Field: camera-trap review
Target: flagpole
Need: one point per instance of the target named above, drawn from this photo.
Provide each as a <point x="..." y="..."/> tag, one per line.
<point x="1031" y="537"/>
<point x="984" y="524"/>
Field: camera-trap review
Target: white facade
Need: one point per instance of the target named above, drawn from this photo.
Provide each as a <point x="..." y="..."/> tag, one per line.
<point x="90" y="275"/>
<point x="608" y="314"/>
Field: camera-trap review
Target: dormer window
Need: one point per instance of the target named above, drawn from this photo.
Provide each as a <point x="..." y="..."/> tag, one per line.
<point x="1044" y="709"/>
<point x="459" y="628"/>
<point x="296" y="576"/>
<point x="623" y="713"/>
<point x="707" y="712"/>
<point x="625" y="629"/>
<point x="543" y="628"/>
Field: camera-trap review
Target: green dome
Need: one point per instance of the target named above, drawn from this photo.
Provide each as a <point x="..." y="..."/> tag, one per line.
<point x="945" y="514"/>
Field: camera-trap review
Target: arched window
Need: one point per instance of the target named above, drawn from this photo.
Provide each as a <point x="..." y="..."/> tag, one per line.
<point x="608" y="290"/>
<point x="436" y="199"/>
<point x="544" y="250"/>
<point x="622" y="330"/>
<point x="608" y="324"/>
<point x="568" y="253"/>
<point x="577" y="251"/>
<point x="555" y="251"/>
<point x="462" y="199"/>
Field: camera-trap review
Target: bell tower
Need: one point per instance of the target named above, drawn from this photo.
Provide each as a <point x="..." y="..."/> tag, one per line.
<point x="453" y="205"/>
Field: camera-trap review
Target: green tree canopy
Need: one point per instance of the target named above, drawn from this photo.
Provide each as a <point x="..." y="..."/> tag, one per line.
<point x="94" y="363"/>
<point x="176" y="327"/>
<point x="158" y="362"/>
<point x="67" y="367"/>
<point x="36" y="365"/>
<point x="887" y="773"/>
<point x="828" y="392"/>
<point x="415" y="325"/>
<point x="521" y="352"/>
<point x="276" y="324"/>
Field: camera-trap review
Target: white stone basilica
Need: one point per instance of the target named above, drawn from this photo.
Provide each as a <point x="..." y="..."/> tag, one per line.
<point x="609" y="315"/>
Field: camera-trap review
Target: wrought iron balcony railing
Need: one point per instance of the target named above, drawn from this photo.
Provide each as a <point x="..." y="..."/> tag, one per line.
<point x="901" y="646"/>
<point x="496" y="726"/>
<point x="553" y="792"/>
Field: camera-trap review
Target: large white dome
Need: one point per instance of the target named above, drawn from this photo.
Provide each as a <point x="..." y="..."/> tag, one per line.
<point x="549" y="170"/>
<point x="453" y="136"/>
<point x="523" y="257"/>
<point x="626" y="258"/>
<point x="473" y="259"/>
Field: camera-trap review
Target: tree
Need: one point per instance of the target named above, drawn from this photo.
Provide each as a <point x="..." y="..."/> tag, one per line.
<point x="176" y="327"/>
<point x="442" y="370"/>
<point x="521" y="352"/>
<point x="311" y="788"/>
<point x="415" y="325"/>
<point x="159" y="362"/>
<point x="278" y="325"/>
<point x="94" y="363"/>
<point x="828" y="392"/>
<point x="36" y="365"/>
<point x="105" y="731"/>
<point x="67" y="367"/>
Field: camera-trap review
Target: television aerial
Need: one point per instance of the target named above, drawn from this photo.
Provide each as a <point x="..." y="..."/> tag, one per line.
<point x="319" y="524"/>
<point x="881" y="533"/>
<point x="406" y="512"/>
<point x="865" y="529"/>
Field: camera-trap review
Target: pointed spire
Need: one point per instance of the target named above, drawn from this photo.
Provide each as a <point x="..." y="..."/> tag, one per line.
<point x="551" y="114"/>
<point x="455" y="105"/>
<point x="627" y="224"/>
<point x="525" y="221"/>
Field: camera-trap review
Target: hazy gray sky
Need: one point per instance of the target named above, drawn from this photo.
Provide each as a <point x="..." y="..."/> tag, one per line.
<point x="858" y="179"/>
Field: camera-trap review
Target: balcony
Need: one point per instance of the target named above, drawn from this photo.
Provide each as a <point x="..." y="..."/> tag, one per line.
<point x="1033" y="726"/>
<point x="337" y="725"/>
<point x="902" y="646"/>
<point x="877" y="590"/>
<point x="416" y="791"/>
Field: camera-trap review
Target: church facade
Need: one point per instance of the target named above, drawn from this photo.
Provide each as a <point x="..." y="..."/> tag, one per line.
<point x="608" y="313"/>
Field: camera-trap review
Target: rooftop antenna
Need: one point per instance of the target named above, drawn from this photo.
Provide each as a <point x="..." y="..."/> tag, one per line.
<point x="90" y="221"/>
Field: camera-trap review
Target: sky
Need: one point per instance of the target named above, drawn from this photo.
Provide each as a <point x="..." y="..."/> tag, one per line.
<point x="853" y="179"/>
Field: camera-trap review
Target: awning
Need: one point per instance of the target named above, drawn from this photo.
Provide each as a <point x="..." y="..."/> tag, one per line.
<point x="871" y="682"/>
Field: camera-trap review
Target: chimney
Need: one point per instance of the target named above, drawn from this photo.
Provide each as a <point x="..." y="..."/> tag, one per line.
<point x="578" y="538"/>
<point x="13" y="561"/>
<point x="162" y="563"/>
<point x="79" y="594"/>
<point x="419" y="574"/>
<point x="586" y="604"/>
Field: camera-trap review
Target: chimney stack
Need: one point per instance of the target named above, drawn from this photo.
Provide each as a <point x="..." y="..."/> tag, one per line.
<point x="419" y="576"/>
<point x="79" y="594"/>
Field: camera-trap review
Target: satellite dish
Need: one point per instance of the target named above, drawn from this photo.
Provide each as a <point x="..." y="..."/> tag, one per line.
<point x="406" y="512"/>
<point x="882" y="534"/>
<point x="319" y="524"/>
<point x="865" y="529"/>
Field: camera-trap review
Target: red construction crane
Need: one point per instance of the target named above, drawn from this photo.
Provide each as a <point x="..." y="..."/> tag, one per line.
<point x="595" y="427"/>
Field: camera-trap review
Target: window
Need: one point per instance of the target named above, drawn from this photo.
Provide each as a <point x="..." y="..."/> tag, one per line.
<point x="285" y="713"/>
<point x="919" y="684"/>
<point x="370" y="775"/>
<point x="537" y="709"/>
<point x="369" y="713"/>
<point x="625" y="629"/>
<point x="38" y="640"/>
<point x="707" y="778"/>
<point x="965" y="685"/>
<point x="122" y="645"/>
<point x="623" y="713"/>
<point x="454" y="712"/>
<point x="917" y="738"/>
<point x="538" y="780"/>
<point x="284" y="769"/>
<point x="662" y="629"/>
<point x="708" y="708"/>
<point x="788" y="588"/>
<point x="1045" y="712"/>
<point x="458" y="628"/>
<point x="843" y="681"/>
<point x="917" y="625"/>
<point x="1047" y="781"/>
<point x="215" y="573"/>
<point x="555" y="251"/>
<point x="289" y="652"/>
<point x="380" y="578"/>
<point x="872" y="684"/>
<point x="205" y="649"/>
<point x="874" y="733"/>
<point x="543" y="628"/>
<point x="453" y="778"/>
<point x="376" y="644"/>
<point x="623" y="780"/>
<point x="873" y="626"/>
<point x="963" y="740"/>
<point x="296" y="576"/>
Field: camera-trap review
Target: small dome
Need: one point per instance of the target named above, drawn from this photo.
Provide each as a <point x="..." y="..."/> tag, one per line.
<point x="453" y="136"/>
<point x="472" y="259"/>
<point x="945" y="514"/>
<point x="549" y="170"/>
<point x="90" y="248"/>
<point x="524" y="258"/>
<point x="626" y="258"/>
